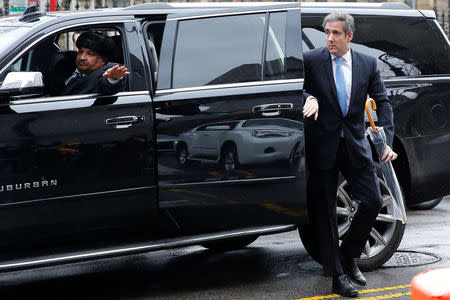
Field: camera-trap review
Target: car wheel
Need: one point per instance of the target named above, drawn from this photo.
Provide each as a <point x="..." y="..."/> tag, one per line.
<point x="229" y="158"/>
<point x="229" y="244"/>
<point x="384" y="238"/>
<point x="182" y="155"/>
<point x="426" y="205"/>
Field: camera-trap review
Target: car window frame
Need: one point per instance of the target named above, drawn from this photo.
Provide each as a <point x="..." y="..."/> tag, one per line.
<point x="293" y="60"/>
<point x="54" y="31"/>
<point x="262" y="49"/>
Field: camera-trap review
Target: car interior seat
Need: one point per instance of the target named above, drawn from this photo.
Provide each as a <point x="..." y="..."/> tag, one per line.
<point x="61" y="66"/>
<point x="117" y="55"/>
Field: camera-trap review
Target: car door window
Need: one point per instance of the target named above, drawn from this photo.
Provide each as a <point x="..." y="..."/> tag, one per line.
<point x="53" y="59"/>
<point x="219" y="50"/>
<point x="274" y="63"/>
<point x="154" y="32"/>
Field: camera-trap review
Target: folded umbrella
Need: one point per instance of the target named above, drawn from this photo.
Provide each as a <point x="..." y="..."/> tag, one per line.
<point x="378" y="138"/>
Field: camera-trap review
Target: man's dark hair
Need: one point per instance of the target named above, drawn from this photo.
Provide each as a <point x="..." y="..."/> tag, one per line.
<point x="100" y="43"/>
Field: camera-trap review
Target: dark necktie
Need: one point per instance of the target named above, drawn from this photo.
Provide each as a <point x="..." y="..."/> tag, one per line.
<point x="340" y="85"/>
<point x="74" y="78"/>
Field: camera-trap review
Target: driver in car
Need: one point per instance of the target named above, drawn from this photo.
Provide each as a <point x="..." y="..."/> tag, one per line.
<point x="94" y="74"/>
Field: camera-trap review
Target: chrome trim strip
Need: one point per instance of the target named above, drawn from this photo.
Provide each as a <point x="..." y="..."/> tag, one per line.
<point x="135" y="93"/>
<point x="417" y="79"/>
<point x="229" y="85"/>
<point x="52" y="99"/>
<point x="145" y="248"/>
<point x="269" y="179"/>
<point x="78" y="195"/>
<point x="262" y="10"/>
<point x="76" y="97"/>
<point x="62" y="29"/>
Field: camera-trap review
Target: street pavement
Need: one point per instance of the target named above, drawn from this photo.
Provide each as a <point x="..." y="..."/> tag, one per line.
<point x="273" y="267"/>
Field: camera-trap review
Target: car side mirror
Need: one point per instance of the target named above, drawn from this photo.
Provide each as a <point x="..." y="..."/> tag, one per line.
<point x="22" y="84"/>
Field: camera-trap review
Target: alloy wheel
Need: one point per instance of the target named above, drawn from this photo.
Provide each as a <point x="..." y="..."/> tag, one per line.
<point x="383" y="230"/>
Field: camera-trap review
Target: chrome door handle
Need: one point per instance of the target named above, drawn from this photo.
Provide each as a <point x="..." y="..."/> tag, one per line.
<point x="272" y="109"/>
<point x="124" y="121"/>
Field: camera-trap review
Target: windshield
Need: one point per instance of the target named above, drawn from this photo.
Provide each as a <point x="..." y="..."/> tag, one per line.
<point x="8" y="35"/>
<point x="11" y="30"/>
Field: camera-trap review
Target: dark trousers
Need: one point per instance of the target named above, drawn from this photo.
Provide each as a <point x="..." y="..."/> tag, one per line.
<point x="322" y="186"/>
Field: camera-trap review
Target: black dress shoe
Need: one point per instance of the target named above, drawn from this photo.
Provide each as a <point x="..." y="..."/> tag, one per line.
<point x="352" y="271"/>
<point x="343" y="287"/>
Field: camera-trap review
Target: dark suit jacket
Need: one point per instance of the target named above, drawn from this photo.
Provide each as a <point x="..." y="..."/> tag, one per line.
<point x="322" y="136"/>
<point x="93" y="83"/>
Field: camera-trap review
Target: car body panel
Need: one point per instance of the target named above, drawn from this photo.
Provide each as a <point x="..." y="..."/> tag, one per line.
<point x="76" y="187"/>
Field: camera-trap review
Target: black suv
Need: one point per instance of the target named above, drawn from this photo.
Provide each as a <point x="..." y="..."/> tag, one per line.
<point x="89" y="176"/>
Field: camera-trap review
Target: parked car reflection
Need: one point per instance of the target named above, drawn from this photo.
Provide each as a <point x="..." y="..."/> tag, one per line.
<point x="255" y="141"/>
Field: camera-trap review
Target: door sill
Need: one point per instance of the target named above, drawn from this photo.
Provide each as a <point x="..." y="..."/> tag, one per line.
<point x="142" y="247"/>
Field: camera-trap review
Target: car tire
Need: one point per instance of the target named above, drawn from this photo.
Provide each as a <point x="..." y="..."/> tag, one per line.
<point x="229" y="244"/>
<point x="182" y="155"/>
<point x="385" y="236"/>
<point x="426" y="205"/>
<point x="229" y="158"/>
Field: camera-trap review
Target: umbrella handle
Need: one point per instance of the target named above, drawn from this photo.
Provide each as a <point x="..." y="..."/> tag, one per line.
<point x="369" y="115"/>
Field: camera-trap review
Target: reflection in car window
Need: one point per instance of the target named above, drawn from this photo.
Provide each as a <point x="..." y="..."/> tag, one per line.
<point x="218" y="126"/>
<point x="273" y="122"/>
<point x="219" y="50"/>
<point x="274" y="64"/>
<point x="397" y="53"/>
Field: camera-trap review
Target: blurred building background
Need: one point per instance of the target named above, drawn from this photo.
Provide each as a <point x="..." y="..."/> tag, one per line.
<point x="441" y="7"/>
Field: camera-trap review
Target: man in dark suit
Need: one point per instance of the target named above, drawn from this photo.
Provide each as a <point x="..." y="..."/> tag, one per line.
<point x="93" y="73"/>
<point x="338" y="80"/>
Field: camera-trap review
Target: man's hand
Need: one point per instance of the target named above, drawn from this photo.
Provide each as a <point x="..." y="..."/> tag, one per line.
<point x="116" y="72"/>
<point x="311" y="107"/>
<point x="388" y="155"/>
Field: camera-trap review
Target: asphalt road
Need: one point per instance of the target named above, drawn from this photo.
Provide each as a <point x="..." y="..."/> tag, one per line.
<point x="273" y="267"/>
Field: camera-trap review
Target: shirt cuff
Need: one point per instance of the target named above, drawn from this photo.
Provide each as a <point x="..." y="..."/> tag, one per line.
<point x="311" y="97"/>
<point x="114" y="81"/>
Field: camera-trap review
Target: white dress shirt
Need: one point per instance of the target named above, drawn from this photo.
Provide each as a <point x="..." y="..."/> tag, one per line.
<point x="346" y="66"/>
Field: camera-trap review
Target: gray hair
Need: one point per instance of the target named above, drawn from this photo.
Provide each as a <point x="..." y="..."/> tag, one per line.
<point x="349" y="22"/>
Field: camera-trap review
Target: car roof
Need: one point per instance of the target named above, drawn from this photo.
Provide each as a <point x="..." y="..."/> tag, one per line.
<point x="189" y="8"/>
<point x="375" y="5"/>
<point x="361" y="8"/>
<point x="384" y="8"/>
<point x="158" y="8"/>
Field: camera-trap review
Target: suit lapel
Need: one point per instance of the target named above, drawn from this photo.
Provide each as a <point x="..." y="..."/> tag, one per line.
<point x="328" y="70"/>
<point x="355" y="77"/>
<point x="85" y="84"/>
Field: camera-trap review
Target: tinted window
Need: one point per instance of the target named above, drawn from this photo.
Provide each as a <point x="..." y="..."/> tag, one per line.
<point x="219" y="50"/>
<point x="154" y="39"/>
<point x="402" y="46"/>
<point x="274" y="64"/>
